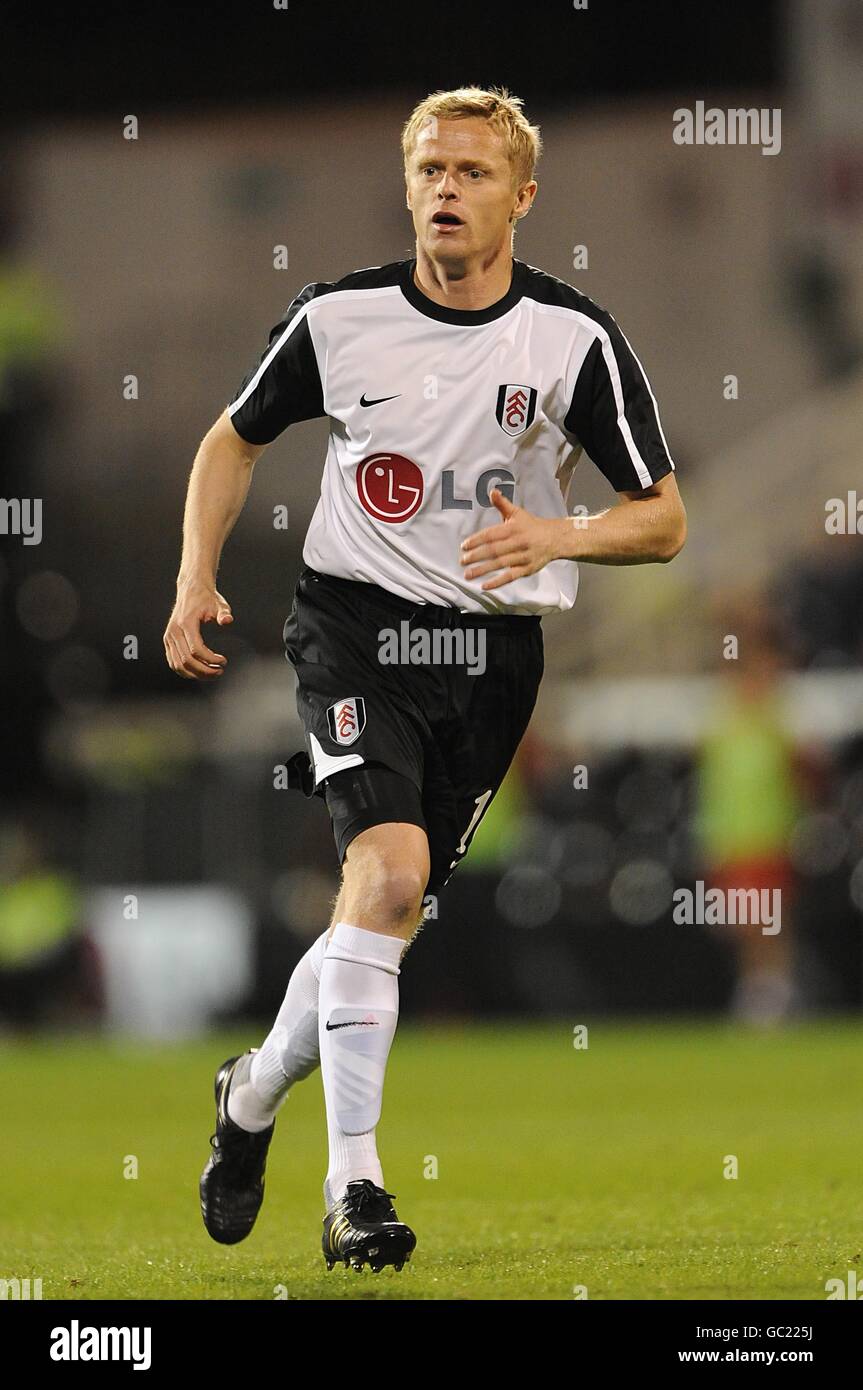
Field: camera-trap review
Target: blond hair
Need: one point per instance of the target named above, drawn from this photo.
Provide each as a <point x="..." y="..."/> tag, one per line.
<point x="494" y="104"/>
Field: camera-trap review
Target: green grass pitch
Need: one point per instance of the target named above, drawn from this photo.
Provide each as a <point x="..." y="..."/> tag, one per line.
<point x="556" y="1167"/>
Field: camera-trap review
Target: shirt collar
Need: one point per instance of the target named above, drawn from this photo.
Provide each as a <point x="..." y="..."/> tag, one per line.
<point x="421" y="302"/>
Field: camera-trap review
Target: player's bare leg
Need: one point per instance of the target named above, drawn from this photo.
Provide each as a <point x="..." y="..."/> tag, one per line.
<point x="385" y="875"/>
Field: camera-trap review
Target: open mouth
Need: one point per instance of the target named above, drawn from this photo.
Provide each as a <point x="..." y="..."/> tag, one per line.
<point x="446" y="219"/>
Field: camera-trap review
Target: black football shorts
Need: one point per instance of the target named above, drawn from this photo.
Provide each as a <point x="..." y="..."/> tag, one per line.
<point x="412" y="712"/>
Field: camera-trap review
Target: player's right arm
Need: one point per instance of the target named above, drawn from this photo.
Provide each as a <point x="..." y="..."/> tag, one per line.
<point x="283" y="387"/>
<point x="218" y="487"/>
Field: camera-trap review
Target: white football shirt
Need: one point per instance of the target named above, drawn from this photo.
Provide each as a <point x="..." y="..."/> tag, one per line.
<point x="431" y="407"/>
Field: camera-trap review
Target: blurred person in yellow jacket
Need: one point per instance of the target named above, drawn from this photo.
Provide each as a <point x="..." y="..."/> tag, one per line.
<point x="749" y="799"/>
<point x="44" y="961"/>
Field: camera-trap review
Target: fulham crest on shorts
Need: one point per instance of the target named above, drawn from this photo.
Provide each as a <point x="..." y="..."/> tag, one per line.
<point x="347" y="719"/>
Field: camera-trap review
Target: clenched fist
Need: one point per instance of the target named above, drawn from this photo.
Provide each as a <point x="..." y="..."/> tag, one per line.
<point x="185" y="650"/>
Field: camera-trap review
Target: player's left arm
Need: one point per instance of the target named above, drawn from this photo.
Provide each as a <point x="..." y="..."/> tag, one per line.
<point x="647" y="526"/>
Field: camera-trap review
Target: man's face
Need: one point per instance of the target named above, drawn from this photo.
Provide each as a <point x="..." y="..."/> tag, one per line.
<point x="460" y="190"/>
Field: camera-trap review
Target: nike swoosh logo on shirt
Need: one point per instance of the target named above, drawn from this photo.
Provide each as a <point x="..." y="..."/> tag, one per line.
<point x="355" y="1023"/>
<point x="379" y="400"/>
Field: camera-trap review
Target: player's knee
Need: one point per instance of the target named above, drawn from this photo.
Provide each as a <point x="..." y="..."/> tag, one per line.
<point x="399" y="888"/>
<point x="391" y="882"/>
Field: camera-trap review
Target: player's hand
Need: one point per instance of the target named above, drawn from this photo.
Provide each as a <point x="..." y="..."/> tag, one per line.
<point x="185" y="650"/>
<point x="520" y="546"/>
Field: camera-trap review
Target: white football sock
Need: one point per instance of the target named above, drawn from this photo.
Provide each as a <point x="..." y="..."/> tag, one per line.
<point x="358" y="1013"/>
<point x="288" y="1054"/>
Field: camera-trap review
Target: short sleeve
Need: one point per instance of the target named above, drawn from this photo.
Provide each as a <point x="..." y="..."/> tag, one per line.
<point x="285" y="387"/>
<point x="614" y="415"/>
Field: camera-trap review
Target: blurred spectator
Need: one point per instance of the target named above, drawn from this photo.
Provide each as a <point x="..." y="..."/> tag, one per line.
<point x="749" y="799"/>
<point x="46" y="967"/>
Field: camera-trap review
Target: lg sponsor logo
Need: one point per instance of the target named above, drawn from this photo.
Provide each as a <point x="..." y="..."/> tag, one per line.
<point x="391" y="487"/>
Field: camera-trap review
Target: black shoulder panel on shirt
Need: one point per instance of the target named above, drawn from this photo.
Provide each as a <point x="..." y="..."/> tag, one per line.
<point x="284" y="387"/>
<point x="548" y="289"/>
<point x="613" y="413"/>
<point x="373" y="277"/>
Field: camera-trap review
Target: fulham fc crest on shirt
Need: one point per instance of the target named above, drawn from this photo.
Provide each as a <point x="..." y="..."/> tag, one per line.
<point x="516" y="407"/>
<point x="347" y="719"/>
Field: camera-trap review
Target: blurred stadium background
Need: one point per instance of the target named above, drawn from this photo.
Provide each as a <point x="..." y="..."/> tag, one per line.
<point x="154" y="879"/>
